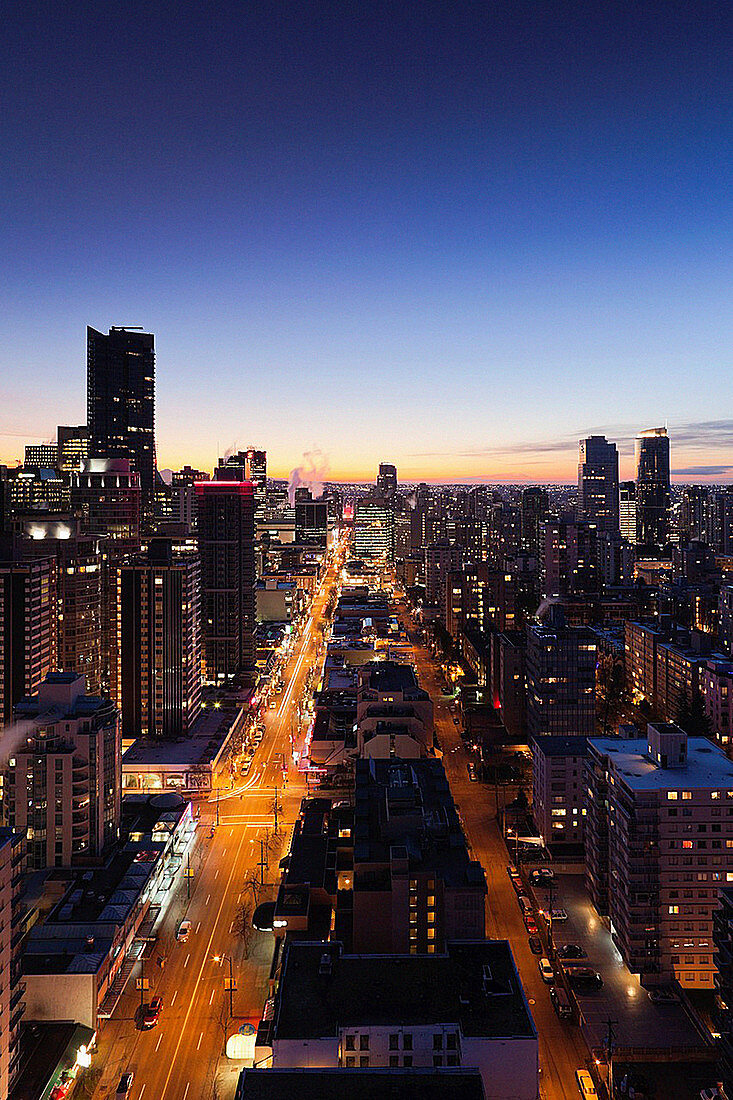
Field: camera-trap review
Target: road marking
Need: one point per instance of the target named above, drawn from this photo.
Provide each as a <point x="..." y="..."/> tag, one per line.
<point x="223" y="851"/>
<point x="239" y="898"/>
<point x="142" y="1090"/>
<point x="204" y="961"/>
<point x="160" y="1039"/>
<point x="208" y="899"/>
<point x="188" y="956"/>
<point x="231" y="832"/>
<point x="231" y="928"/>
<point x="216" y="876"/>
<point x="198" y="926"/>
<point x="188" y="1086"/>
<point x="211" y="998"/>
<point x="198" y="1045"/>
<point x="173" y="998"/>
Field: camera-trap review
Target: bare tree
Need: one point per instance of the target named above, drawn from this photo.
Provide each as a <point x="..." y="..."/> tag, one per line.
<point x="242" y="926"/>
<point x="223" y="1019"/>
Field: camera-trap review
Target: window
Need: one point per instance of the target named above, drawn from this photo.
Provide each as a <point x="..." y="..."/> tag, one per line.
<point x="407" y="1043"/>
<point x="350" y="1043"/>
<point x="394" y="1061"/>
<point x="350" y="1062"/>
<point x="437" y="1059"/>
<point x="363" y="1042"/>
<point x="452" y="1060"/>
<point x="672" y="796"/>
<point x="452" y="1041"/>
<point x="394" y="1042"/>
<point x="364" y="1061"/>
<point x="407" y="1061"/>
<point x="674" y="909"/>
<point x="438" y="1042"/>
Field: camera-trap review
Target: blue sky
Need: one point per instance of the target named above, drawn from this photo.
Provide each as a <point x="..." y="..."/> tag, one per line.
<point x="453" y="236"/>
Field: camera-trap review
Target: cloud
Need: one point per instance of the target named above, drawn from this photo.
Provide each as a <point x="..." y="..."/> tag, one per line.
<point x="703" y="471"/>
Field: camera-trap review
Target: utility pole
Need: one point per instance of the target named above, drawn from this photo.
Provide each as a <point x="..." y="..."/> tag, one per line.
<point x="263" y="862"/>
<point x="188" y="875"/>
<point x="610" y="1046"/>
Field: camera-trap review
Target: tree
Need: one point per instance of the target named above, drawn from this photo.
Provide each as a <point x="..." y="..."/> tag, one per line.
<point x="242" y="926"/>
<point x="691" y="715"/>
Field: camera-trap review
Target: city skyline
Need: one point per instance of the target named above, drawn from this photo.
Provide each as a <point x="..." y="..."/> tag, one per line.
<point x="492" y="232"/>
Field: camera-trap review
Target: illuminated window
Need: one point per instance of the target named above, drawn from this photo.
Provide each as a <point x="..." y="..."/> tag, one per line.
<point x="674" y="909"/>
<point x="672" y="796"/>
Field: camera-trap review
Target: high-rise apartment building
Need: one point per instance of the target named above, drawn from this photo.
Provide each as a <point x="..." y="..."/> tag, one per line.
<point x="44" y="456"/>
<point x="226" y="536"/>
<point x="534" y="509"/>
<point x="569" y="558"/>
<point x="441" y="559"/>
<point x="156" y="642"/>
<point x="107" y="493"/>
<point x="598" y="499"/>
<point x="653" y="488"/>
<point x="374" y="528"/>
<point x="73" y="447"/>
<point x="627" y="510"/>
<point x="659" y="846"/>
<point x="311" y="522"/>
<point x="561" y="678"/>
<point x="121" y="400"/>
<point x="27" y="629"/>
<point x="12" y="1005"/>
<point x="80" y="563"/>
<point x="62" y="785"/>
<point x="387" y="480"/>
<point x="478" y="597"/>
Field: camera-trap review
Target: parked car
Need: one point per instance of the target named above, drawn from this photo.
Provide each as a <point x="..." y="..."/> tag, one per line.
<point x="559" y="915"/>
<point x="541" y="875"/>
<point x="184" y="929"/>
<point x="586" y="1088"/>
<point x="125" y="1085"/>
<point x="561" y="1002"/>
<point x="530" y="924"/>
<point x="546" y="972"/>
<point x="513" y="873"/>
<point x="151" y="1014"/>
<point x="663" y="997"/>
<point x="472" y="772"/>
<point x="524" y="903"/>
<point x="584" y="978"/>
<point x="535" y="945"/>
<point x="570" y="951"/>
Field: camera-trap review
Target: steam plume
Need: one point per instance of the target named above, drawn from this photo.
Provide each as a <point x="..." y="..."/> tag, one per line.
<point x="311" y="475"/>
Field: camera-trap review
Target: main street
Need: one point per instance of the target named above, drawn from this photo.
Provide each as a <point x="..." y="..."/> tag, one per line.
<point x="182" y="1057"/>
<point x="562" y="1049"/>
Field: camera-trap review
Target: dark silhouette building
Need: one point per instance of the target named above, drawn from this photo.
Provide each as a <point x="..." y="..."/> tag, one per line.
<point x="121" y="400"/>
<point x="226" y="547"/>
<point x="652" y="488"/>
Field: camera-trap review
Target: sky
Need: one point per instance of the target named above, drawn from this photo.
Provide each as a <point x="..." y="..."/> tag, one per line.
<point x="454" y="236"/>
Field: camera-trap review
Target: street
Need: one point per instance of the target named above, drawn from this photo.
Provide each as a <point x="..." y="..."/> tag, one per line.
<point x="182" y="1056"/>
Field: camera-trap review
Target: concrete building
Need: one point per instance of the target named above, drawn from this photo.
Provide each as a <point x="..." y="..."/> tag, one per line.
<point x="156" y="642"/>
<point x="664" y="672"/>
<point x="558" y="792"/>
<point x="12" y="1004"/>
<point x="723" y="941"/>
<point x="725" y="617"/>
<point x="28" y="634"/>
<point x="73" y="447"/>
<point x="360" y="1084"/>
<point x="509" y="681"/>
<point x="598" y="494"/>
<point x="478" y="597"/>
<point x="661" y="848"/>
<point x="62" y="783"/>
<point x="534" y="509"/>
<point x="107" y="493"/>
<point x="226" y="527"/>
<point x="415" y="886"/>
<point x="569" y="558"/>
<point x="394" y="716"/>
<point x="463" y="1007"/>
<point x="561" y="677"/>
<point x="441" y="559"/>
<point x="277" y="600"/>
<point x="387" y="480"/>
<point x="627" y="510"/>
<point x="716" y="689"/>
<point x="311" y="522"/>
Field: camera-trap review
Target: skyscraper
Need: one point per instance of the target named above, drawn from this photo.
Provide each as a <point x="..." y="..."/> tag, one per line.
<point x="226" y="535"/>
<point x="387" y="480"/>
<point x="652" y="488"/>
<point x="27" y="629"/>
<point x="156" y="642"/>
<point x="535" y="506"/>
<point x="627" y="510"/>
<point x="121" y="400"/>
<point x="598" y="482"/>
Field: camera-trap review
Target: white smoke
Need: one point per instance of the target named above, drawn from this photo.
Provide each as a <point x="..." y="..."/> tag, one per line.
<point x="311" y="475"/>
<point x="14" y="738"/>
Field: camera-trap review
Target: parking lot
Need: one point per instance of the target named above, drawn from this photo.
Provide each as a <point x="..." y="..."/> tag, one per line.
<point x="622" y="998"/>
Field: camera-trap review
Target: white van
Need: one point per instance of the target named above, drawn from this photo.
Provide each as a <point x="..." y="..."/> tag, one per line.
<point x="183" y="931"/>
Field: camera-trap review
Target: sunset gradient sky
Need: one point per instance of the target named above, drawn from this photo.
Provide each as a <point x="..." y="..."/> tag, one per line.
<point x="455" y="236"/>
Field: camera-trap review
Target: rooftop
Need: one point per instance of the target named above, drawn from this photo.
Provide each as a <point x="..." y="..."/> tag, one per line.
<point x="707" y="766"/>
<point x="561" y="746"/>
<point x="360" y="1084"/>
<point x="474" y="985"/>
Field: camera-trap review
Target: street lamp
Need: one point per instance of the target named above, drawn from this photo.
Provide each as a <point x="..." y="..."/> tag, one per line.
<point x="220" y="959"/>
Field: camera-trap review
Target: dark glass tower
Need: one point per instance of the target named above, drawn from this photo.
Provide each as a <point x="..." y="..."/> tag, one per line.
<point x="121" y="400"/>
<point x="652" y="488"/>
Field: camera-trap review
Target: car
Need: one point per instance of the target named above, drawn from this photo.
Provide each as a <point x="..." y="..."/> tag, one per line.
<point x="541" y="874"/>
<point x="63" y="1087"/>
<point x="561" y="1002"/>
<point x="586" y="1088"/>
<point x="713" y="1093"/>
<point x="151" y="1012"/>
<point x="584" y="978"/>
<point x="530" y="924"/>
<point x="559" y="914"/>
<point x="513" y="872"/>
<point x="570" y="951"/>
<point x="546" y="972"/>
<point x="524" y="903"/>
<point x="518" y="885"/>
<point x="125" y="1085"/>
<point x="663" y="997"/>
<point x="183" y="931"/>
<point x="535" y="945"/>
<point x="472" y="772"/>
